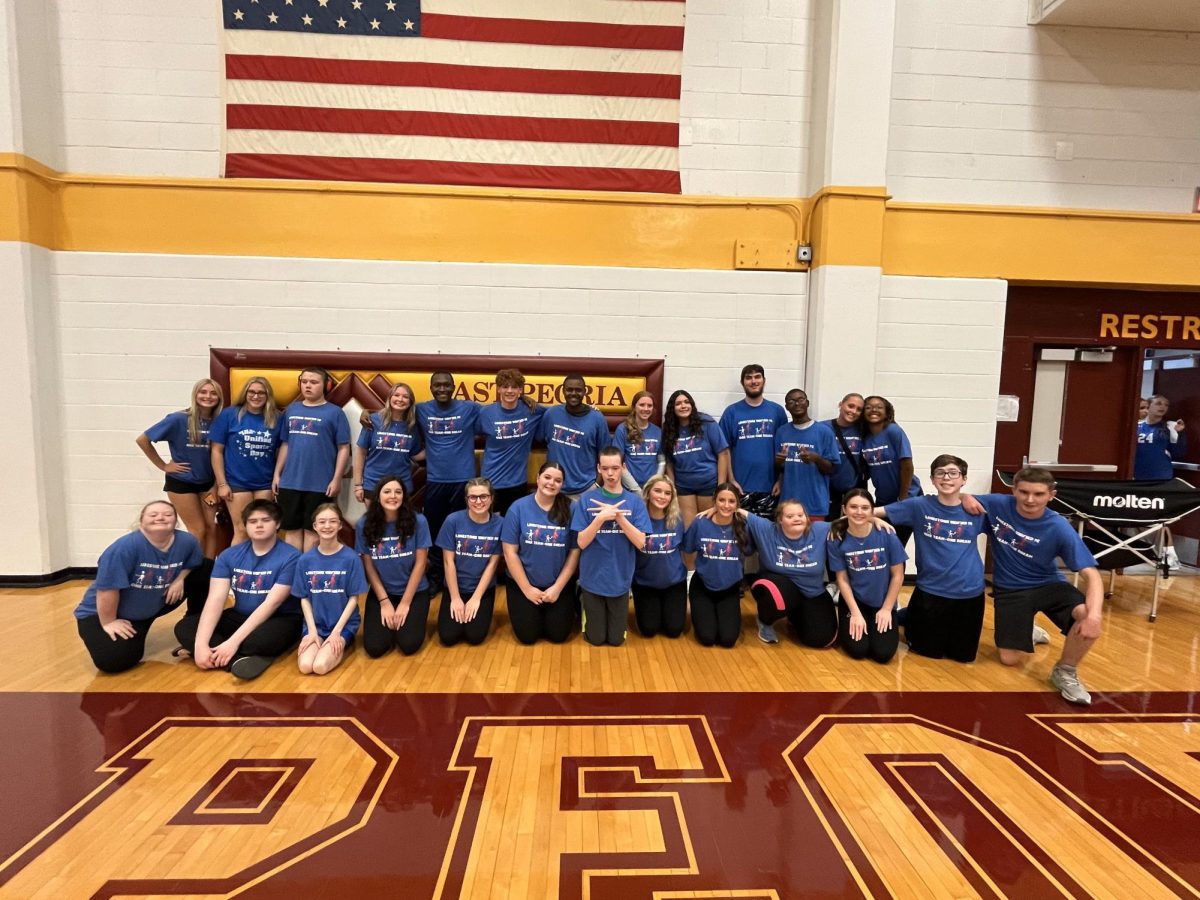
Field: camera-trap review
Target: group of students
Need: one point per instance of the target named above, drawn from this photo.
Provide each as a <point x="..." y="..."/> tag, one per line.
<point x="669" y="514"/>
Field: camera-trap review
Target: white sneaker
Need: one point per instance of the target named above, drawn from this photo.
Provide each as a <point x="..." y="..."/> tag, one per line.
<point x="1040" y="635"/>
<point x="1070" y="686"/>
<point x="766" y="633"/>
<point x="1171" y="557"/>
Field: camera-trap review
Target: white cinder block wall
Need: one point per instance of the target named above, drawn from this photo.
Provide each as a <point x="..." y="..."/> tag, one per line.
<point x="981" y="101"/>
<point x="938" y="360"/>
<point x="136" y="330"/>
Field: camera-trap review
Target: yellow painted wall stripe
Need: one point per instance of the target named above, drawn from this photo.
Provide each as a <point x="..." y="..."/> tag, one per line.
<point x="847" y="226"/>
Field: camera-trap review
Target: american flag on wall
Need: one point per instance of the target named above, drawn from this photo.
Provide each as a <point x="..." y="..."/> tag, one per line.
<point x="578" y="94"/>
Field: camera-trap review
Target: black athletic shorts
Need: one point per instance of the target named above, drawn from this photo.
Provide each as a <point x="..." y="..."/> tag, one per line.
<point x="173" y="485"/>
<point x="1015" y="611"/>
<point x="298" y="507"/>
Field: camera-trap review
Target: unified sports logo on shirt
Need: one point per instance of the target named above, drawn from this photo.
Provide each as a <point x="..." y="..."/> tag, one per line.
<point x="660" y="544"/>
<point x="719" y="548"/>
<point x="568" y="437"/>
<point x="327" y="581"/>
<point x="474" y="545"/>
<point x="948" y="530"/>
<point x="202" y="438"/>
<point x="394" y="441"/>
<point x="309" y="425"/>
<point x="869" y="559"/>
<point x="690" y="444"/>
<point x="247" y="581"/>
<point x="444" y="425"/>
<point x="749" y="429"/>
<point x="545" y="535"/>
<point x="875" y="456"/>
<point x="390" y="548"/>
<point x="255" y="443"/>
<point x="1015" y="540"/>
<point x="154" y="576"/>
<point x="647" y="447"/>
<point x="791" y="558"/>
<point x="511" y="429"/>
<point x="793" y="450"/>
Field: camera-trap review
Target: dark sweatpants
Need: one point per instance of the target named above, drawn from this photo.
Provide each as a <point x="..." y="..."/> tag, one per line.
<point x="109" y="655"/>
<point x="272" y="638"/>
<point x="660" y="610"/>
<point x="473" y="632"/>
<point x="378" y="639"/>
<point x="716" y="615"/>
<point x="813" y="619"/>
<point x="533" y="621"/>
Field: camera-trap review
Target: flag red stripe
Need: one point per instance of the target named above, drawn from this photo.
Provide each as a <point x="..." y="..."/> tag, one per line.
<point x="419" y="171"/>
<point x="443" y="75"/>
<point x="567" y="34"/>
<point x="456" y="125"/>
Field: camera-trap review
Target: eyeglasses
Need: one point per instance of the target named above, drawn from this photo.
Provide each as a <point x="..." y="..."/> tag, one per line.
<point x="256" y="393"/>
<point x="478" y="498"/>
<point x="947" y="473"/>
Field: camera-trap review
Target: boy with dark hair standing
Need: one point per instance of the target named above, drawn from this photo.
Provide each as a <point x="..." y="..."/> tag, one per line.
<point x="749" y="426"/>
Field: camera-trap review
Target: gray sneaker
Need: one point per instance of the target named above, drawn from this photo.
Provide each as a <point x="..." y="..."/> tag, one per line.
<point x="1040" y="635"/>
<point x="248" y="668"/>
<point x="766" y="633"/>
<point x="1070" y="686"/>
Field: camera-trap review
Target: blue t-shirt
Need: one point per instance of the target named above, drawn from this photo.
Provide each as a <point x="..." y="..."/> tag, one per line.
<point x="660" y="562"/>
<point x="718" y="556"/>
<point x="449" y="440"/>
<point x="141" y="573"/>
<point x="389" y="452"/>
<point x="801" y="480"/>
<point x="392" y="559"/>
<point x="694" y="456"/>
<point x="750" y="433"/>
<point x="328" y="583"/>
<point x="882" y="453"/>
<point x="606" y="564"/>
<point x="867" y="562"/>
<point x="174" y="430"/>
<point x="1153" y="459"/>
<point x="948" y="560"/>
<point x="250" y="448"/>
<point x="1024" y="550"/>
<point x="507" y="439"/>
<point x="251" y="576"/>
<point x="575" y="442"/>
<point x="313" y="435"/>
<point x="542" y="545"/>
<point x="800" y="559"/>
<point x="641" y="459"/>
<point x="473" y="544"/>
<point x="845" y="474"/>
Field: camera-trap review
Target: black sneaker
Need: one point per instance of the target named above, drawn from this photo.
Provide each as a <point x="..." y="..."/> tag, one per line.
<point x="248" y="668"/>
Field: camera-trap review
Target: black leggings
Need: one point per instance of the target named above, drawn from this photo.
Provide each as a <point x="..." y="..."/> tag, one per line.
<point x="533" y="621"/>
<point x="473" y="632"/>
<point x="272" y="638"/>
<point x="716" y="615"/>
<point x="378" y="639"/>
<point x="660" y="610"/>
<point x="814" y="620"/>
<point x="109" y="655"/>
<point x="873" y="644"/>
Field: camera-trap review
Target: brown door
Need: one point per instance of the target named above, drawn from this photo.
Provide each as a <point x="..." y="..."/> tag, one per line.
<point x="1098" y="417"/>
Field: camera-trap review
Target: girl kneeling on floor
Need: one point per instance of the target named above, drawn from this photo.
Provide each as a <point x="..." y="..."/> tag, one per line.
<point x="330" y="583"/>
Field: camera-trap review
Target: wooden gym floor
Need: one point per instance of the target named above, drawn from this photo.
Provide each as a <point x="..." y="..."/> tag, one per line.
<point x="657" y="770"/>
